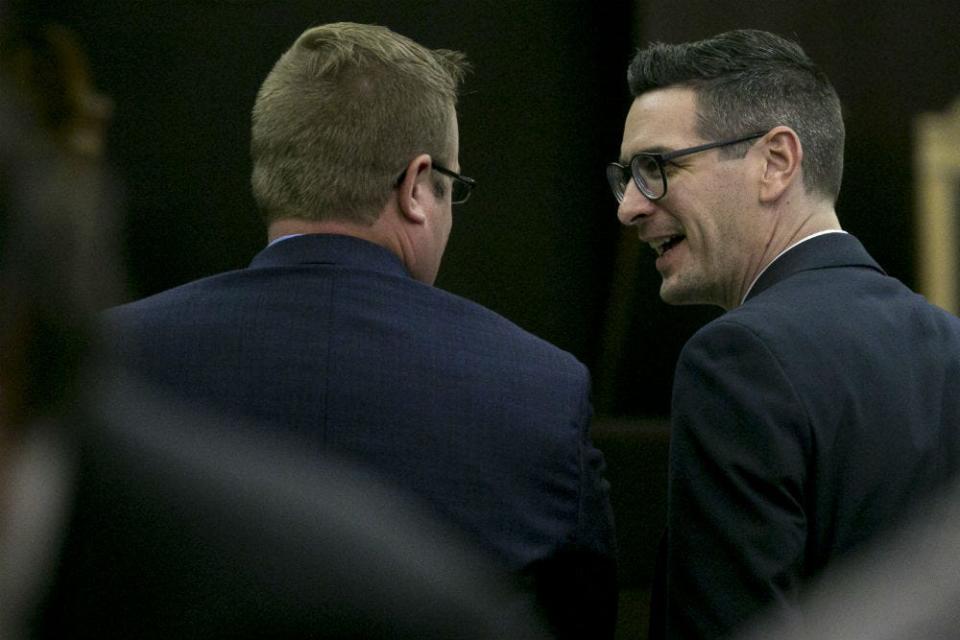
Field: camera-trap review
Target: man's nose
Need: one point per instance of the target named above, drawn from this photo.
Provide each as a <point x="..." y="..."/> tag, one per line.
<point x="634" y="205"/>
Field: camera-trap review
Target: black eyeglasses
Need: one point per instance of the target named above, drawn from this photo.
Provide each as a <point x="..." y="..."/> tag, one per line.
<point x="648" y="169"/>
<point x="462" y="185"/>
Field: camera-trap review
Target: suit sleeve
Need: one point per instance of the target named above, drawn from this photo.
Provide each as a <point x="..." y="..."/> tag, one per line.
<point x="736" y="519"/>
<point x="577" y="587"/>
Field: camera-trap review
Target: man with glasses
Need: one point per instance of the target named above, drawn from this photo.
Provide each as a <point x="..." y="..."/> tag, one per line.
<point x="335" y="334"/>
<point x="825" y="403"/>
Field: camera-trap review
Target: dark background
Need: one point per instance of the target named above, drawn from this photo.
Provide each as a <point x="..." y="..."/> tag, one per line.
<point x="543" y="112"/>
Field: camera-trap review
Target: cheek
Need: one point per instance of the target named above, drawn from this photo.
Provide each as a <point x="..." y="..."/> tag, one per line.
<point x="721" y="239"/>
<point x="698" y="218"/>
<point x="717" y="220"/>
<point x="443" y="229"/>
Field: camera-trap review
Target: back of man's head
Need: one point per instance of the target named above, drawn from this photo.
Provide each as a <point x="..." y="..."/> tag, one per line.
<point x="341" y="114"/>
<point x="749" y="80"/>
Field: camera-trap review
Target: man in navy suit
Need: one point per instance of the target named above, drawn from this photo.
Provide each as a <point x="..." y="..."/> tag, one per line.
<point x="825" y="404"/>
<point x="125" y="514"/>
<point x="335" y="334"/>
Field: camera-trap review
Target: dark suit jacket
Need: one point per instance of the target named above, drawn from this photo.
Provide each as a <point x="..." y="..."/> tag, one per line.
<point x="806" y="421"/>
<point x="330" y="339"/>
<point x="904" y="587"/>
<point x="179" y="524"/>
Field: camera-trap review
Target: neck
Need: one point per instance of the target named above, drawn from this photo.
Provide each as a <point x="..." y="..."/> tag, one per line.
<point x="384" y="232"/>
<point x="823" y="218"/>
<point x="788" y="229"/>
<point x="292" y="226"/>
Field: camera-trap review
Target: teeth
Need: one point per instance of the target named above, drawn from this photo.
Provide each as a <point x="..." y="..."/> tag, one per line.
<point x="659" y="244"/>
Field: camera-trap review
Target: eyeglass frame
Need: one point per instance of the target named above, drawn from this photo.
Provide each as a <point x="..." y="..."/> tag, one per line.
<point x="468" y="183"/>
<point x="661" y="159"/>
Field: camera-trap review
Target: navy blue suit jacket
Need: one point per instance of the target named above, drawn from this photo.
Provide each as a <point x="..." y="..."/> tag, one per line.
<point x="330" y="338"/>
<point x="805" y="422"/>
<point x="178" y="524"/>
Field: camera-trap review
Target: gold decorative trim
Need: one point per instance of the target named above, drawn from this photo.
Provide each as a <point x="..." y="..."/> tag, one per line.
<point x="937" y="171"/>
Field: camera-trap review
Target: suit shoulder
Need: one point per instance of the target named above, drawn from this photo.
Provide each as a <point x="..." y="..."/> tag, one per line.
<point x="488" y="325"/>
<point x="171" y="296"/>
<point x="732" y="325"/>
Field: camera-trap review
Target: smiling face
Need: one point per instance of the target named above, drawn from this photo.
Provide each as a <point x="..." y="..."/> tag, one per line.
<point x="706" y="231"/>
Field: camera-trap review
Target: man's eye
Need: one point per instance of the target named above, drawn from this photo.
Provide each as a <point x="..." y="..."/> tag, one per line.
<point x="648" y="167"/>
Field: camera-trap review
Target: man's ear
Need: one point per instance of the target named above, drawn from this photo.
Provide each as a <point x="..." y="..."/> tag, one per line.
<point x="415" y="187"/>
<point x="782" y="158"/>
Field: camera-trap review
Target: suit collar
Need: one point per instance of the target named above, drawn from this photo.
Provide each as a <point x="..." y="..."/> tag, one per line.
<point x="317" y="248"/>
<point x="821" y="252"/>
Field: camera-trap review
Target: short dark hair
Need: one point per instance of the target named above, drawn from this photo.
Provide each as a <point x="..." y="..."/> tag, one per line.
<point x="749" y="80"/>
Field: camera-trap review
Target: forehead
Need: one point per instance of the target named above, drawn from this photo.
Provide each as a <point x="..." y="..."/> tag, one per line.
<point x="658" y="120"/>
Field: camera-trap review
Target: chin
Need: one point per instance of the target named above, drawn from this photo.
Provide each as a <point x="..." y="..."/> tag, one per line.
<point x="677" y="294"/>
<point x="672" y="294"/>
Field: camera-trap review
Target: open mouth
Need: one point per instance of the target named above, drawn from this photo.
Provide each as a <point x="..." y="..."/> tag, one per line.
<point x="664" y="245"/>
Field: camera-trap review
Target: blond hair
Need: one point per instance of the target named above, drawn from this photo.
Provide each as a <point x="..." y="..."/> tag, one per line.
<point x="341" y="114"/>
